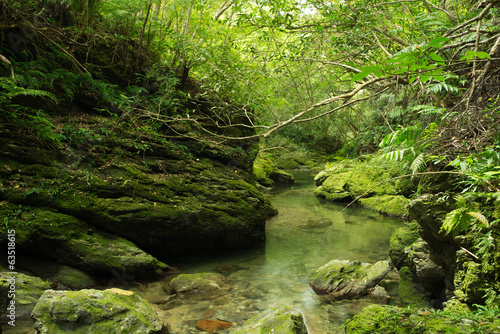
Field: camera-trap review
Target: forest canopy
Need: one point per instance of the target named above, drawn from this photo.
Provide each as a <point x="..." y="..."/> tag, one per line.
<point x="423" y="71"/>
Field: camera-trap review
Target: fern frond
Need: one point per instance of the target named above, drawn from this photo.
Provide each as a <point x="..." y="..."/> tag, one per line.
<point x="419" y="163"/>
<point x="461" y="201"/>
<point x="479" y="216"/>
<point x="440" y="87"/>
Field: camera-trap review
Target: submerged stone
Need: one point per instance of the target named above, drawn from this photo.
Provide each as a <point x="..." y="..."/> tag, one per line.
<point x="201" y="285"/>
<point x="282" y="320"/>
<point x="213" y="325"/>
<point x="95" y="311"/>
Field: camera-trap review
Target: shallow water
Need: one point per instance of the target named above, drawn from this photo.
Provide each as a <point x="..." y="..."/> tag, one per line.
<point x="307" y="233"/>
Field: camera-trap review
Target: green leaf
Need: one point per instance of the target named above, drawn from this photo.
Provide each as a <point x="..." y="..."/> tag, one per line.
<point x="437" y="58"/>
<point x="479" y="216"/>
<point x="455" y="222"/>
<point x="437" y="42"/>
<point x="366" y="71"/>
<point x="425" y="78"/>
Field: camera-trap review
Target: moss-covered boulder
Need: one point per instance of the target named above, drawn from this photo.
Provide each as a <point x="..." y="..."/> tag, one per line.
<point x="201" y="285"/>
<point x="95" y="311"/>
<point x="268" y="174"/>
<point x="369" y="178"/>
<point x="175" y="197"/>
<point x="429" y="274"/>
<point x="348" y="279"/>
<point x="282" y="320"/>
<point x="411" y="292"/>
<point x="26" y="291"/>
<point x="392" y="205"/>
<point x="401" y="239"/>
<point x="68" y="240"/>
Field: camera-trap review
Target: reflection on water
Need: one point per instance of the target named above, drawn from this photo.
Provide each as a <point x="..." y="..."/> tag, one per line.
<point x="307" y="233"/>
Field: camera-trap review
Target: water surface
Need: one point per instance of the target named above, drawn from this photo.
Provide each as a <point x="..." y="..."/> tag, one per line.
<point x="307" y="233"/>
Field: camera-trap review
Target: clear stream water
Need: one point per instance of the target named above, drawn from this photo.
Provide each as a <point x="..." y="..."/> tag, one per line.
<point x="307" y="233"/>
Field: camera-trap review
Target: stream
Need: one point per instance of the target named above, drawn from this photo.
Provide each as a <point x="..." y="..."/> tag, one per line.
<point x="307" y="233"/>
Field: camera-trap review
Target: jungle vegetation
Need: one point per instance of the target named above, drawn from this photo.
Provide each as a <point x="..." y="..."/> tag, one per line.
<point x="415" y="80"/>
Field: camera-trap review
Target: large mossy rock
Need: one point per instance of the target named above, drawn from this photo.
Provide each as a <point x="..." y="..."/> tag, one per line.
<point x="201" y="285"/>
<point x="348" y="279"/>
<point x="429" y="211"/>
<point x="173" y="198"/>
<point x="348" y="180"/>
<point x="268" y="174"/>
<point x="68" y="240"/>
<point x="401" y="240"/>
<point x="95" y="311"/>
<point x="27" y="290"/>
<point x="393" y="320"/>
<point x="282" y="320"/>
<point x="392" y="205"/>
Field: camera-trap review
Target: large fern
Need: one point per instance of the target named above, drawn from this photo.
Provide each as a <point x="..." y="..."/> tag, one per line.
<point x="11" y="90"/>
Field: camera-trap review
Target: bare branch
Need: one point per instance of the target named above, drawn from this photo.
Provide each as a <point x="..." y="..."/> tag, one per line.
<point x="381" y="46"/>
<point x="225" y="6"/>
<point x="474" y="19"/>
<point x="391" y="36"/>
<point x="9" y="65"/>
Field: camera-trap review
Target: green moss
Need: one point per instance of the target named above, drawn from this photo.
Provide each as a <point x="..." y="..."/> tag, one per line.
<point x="387" y="204"/>
<point x="94" y="311"/>
<point x="455" y="318"/>
<point x="401" y="239"/>
<point x="267" y="173"/>
<point x="409" y="293"/>
<point x="283" y="320"/>
<point x="27" y="291"/>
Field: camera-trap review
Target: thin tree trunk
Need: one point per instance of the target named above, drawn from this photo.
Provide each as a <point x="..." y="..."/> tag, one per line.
<point x="141" y="37"/>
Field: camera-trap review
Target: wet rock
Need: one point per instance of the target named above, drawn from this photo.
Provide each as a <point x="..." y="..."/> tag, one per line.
<point x="27" y="290"/>
<point x="348" y="279"/>
<point x="226" y="269"/>
<point x="379" y="295"/>
<point x="282" y="319"/>
<point x="392" y="205"/>
<point x="200" y="286"/>
<point x="267" y="173"/>
<point x="212" y="325"/>
<point x="348" y="180"/>
<point x="401" y="240"/>
<point x="95" y="311"/>
<point x="281" y="178"/>
<point x="429" y="274"/>
<point x="70" y="241"/>
<point x="411" y="292"/>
